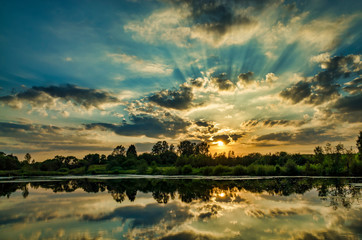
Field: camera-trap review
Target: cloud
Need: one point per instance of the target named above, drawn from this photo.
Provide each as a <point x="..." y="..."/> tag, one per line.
<point x="46" y="96"/>
<point x="146" y="125"/>
<point x="38" y="137"/>
<point x="301" y="136"/>
<point x="354" y="86"/>
<point x="216" y="22"/>
<point x="197" y="82"/>
<point x="246" y="78"/>
<point x="222" y="82"/>
<point x="323" y="86"/>
<point x="318" y="235"/>
<point x="177" y="99"/>
<point x="269" y="123"/>
<point x="226" y="139"/>
<point x="148" y="215"/>
<point x="349" y="104"/>
<point x="347" y="109"/>
<point x="187" y="235"/>
<point x="139" y="65"/>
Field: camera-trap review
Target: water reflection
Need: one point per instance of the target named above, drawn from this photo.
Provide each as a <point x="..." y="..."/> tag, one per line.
<point x="281" y="208"/>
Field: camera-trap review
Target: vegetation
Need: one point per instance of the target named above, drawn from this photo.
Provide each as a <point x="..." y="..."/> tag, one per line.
<point x="339" y="192"/>
<point x="191" y="158"/>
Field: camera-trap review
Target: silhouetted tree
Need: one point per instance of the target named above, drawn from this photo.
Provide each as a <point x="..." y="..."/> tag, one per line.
<point x="119" y="150"/>
<point x="319" y="157"/>
<point x="202" y="148"/>
<point x="131" y="151"/>
<point x="27" y="158"/>
<point x="160" y="147"/>
<point x="186" y="148"/>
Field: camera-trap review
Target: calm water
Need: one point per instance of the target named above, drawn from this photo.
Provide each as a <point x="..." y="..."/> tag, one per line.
<point x="157" y="208"/>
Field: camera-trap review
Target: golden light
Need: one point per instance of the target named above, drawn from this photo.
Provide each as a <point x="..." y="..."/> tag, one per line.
<point x="222" y="194"/>
<point x="220" y="143"/>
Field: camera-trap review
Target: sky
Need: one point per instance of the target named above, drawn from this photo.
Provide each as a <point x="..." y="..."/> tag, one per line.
<point x="80" y="77"/>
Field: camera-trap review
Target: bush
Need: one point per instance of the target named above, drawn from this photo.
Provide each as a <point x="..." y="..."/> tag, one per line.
<point x="219" y="170"/>
<point x="155" y="170"/>
<point x="239" y="170"/>
<point x="206" y="171"/>
<point x="171" y="171"/>
<point x="187" y="169"/>
<point x="142" y="168"/>
<point x="291" y="168"/>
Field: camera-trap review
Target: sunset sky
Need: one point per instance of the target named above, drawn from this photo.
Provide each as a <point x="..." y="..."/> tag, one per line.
<point x="81" y="77"/>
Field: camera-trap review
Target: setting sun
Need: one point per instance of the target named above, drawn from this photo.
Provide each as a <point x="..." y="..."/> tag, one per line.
<point x="220" y="143"/>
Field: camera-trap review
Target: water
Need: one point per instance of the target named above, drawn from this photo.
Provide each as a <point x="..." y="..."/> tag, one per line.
<point x="130" y="207"/>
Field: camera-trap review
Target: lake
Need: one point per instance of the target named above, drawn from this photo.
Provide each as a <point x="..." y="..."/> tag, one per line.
<point x="161" y="207"/>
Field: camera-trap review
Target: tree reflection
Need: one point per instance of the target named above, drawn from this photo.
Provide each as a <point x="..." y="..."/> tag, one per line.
<point x="339" y="192"/>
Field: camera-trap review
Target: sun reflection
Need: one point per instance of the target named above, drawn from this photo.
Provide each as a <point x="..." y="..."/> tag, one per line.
<point x="222" y="194"/>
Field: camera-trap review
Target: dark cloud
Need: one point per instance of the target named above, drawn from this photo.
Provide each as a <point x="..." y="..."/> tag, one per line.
<point x="211" y="211"/>
<point x="196" y="82"/>
<point x="206" y="128"/>
<point x="148" y="215"/>
<point x="38" y="96"/>
<point x="319" y="235"/>
<point x="177" y="99"/>
<point x="246" y="78"/>
<point x="226" y="139"/>
<point x="324" y="86"/>
<point x="347" y="109"/>
<point x="147" y="125"/>
<point x="272" y="123"/>
<point x="297" y="93"/>
<point x="354" y="86"/>
<point x="222" y="82"/>
<point x="349" y="104"/>
<point x="302" y="136"/>
<point x="37" y="137"/>
<point x="218" y="17"/>
<point x="203" y="123"/>
<point x="186" y="236"/>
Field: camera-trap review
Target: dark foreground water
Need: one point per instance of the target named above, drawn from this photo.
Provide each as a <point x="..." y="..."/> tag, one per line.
<point x="107" y="207"/>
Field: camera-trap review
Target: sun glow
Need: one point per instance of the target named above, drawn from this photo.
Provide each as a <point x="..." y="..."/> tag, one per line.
<point x="220" y="143"/>
<point x="222" y="194"/>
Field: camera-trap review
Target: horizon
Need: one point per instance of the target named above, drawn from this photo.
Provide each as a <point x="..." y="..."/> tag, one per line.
<point x="81" y="77"/>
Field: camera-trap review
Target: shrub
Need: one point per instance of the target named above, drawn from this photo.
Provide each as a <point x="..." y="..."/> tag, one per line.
<point x="206" y="171"/>
<point x="142" y="168"/>
<point x="239" y="170"/>
<point x="219" y="170"/>
<point x="187" y="169"/>
<point x="291" y="167"/>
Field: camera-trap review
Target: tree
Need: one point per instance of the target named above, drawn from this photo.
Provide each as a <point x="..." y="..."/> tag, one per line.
<point x="319" y="154"/>
<point x="359" y="145"/>
<point x="160" y="147"/>
<point x="131" y="151"/>
<point x="27" y="158"/>
<point x="119" y="150"/>
<point x="202" y="148"/>
<point x="186" y="148"/>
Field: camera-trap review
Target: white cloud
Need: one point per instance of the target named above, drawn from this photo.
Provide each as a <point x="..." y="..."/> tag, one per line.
<point x="139" y="65"/>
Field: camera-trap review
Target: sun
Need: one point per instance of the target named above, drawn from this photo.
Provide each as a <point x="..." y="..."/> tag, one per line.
<point x="220" y="143"/>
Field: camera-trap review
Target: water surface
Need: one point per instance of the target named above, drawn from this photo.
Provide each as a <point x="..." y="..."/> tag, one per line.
<point x="131" y="207"/>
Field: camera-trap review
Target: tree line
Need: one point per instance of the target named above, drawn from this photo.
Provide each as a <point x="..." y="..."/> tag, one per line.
<point x="339" y="191"/>
<point x="194" y="158"/>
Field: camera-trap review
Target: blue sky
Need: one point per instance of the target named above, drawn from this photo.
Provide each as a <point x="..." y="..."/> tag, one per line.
<point x="266" y="76"/>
